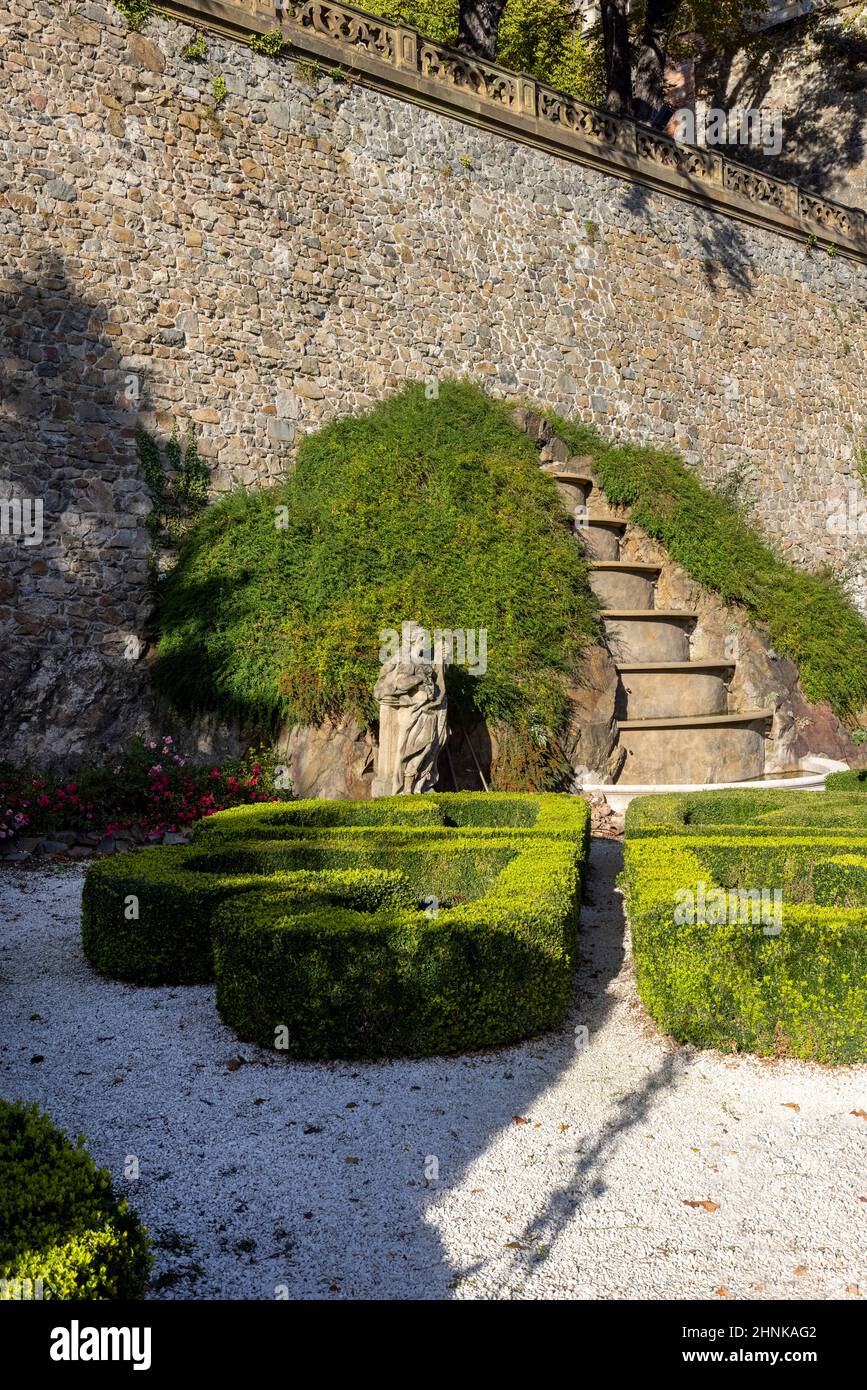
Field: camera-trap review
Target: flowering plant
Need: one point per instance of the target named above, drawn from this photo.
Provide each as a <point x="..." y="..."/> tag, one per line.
<point x="149" y="790"/>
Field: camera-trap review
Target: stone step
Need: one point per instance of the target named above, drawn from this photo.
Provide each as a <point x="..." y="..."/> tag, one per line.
<point x="626" y="565"/>
<point x="600" y="534"/>
<point x="648" y="634"/>
<point x="702" y="749"/>
<point x="672" y="689"/>
<point x="698" y="721"/>
<point x="623" y="583"/>
<point x="675" y="666"/>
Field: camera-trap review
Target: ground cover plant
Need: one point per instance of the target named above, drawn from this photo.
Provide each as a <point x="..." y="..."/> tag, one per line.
<point x="346" y="935"/>
<point x="749" y="920"/>
<point x="432" y="511"/>
<point x="63" y="1233"/>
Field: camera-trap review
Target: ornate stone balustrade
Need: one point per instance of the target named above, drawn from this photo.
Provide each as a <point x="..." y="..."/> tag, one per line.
<point x="399" y="60"/>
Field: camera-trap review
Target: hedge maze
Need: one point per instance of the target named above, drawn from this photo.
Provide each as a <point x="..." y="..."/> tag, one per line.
<point x="401" y="926"/>
<point x="749" y="919"/>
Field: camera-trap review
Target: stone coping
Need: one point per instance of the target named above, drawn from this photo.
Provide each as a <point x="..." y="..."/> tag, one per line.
<point x="399" y="60"/>
<point x="696" y="721"/>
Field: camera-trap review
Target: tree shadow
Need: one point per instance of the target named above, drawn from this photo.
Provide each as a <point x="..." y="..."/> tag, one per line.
<point x="831" y="113"/>
<point x="70" y="603"/>
<point x="723" y="245"/>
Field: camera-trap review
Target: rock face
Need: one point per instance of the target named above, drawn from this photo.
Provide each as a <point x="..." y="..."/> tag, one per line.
<point x="331" y="760"/>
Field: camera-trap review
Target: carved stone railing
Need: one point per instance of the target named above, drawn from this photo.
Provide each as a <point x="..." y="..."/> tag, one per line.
<point x="399" y="60"/>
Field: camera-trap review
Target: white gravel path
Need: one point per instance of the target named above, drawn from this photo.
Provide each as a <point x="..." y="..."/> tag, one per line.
<point x="308" y="1181"/>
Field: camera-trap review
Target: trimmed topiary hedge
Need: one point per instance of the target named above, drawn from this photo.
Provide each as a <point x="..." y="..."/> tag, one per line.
<point x="63" y="1233"/>
<point x="752" y="934"/>
<point x="356" y="936"/>
<point x="765" y="812"/>
<point x="544" y="814"/>
<point x="855" y="780"/>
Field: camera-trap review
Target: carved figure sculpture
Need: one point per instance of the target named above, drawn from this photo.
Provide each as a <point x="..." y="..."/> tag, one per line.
<point x="412" y="719"/>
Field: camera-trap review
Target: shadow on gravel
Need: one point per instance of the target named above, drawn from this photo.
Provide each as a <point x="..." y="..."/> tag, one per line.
<point x="302" y="1176"/>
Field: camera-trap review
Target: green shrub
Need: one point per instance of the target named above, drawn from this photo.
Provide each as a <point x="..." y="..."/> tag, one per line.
<point x="765" y="812"/>
<point x="345" y="983"/>
<point x="855" y="780"/>
<point x="59" y="1220"/>
<point x="808" y="616"/>
<point x="546" y="814"/>
<point x="147" y="915"/>
<point x="796" y="984"/>
<point x="364" y="937"/>
<point x="275" y="615"/>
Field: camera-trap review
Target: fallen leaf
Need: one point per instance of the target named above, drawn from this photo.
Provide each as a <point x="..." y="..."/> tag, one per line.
<point x="800" y="1270"/>
<point x="477" y="1189"/>
<point x="351" y="1105"/>
<point x="791" y="1105"/>
<point x="705" y="1205"/>
<point x="853" y="1288"/>
<point x="722" y="1292"/>
<point x="563" y="1128"/>
<point x="521" y="1119"/>
<point x="513" y="1245"/>
<point x="862" y="1199"/>
<point x="353" y="1160"/>
<point x="759" y="1288"/>
<point x="259" y="1101"/>
<point x="862" y="1114"/>
<point x="235" y="1063"/>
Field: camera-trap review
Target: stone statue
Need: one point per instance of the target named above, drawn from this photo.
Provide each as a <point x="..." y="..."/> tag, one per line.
<point x="411" y="691"/>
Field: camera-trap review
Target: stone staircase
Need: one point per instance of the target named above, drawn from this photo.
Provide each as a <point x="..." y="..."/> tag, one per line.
<point x="674" y="717"/>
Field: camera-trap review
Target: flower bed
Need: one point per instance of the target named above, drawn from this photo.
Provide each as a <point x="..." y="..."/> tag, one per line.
<point x="146" y="792"/>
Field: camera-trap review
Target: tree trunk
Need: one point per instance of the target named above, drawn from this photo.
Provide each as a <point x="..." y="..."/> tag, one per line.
<point x="479" y="26"/>
<point x="650" y="66"/>
<point x="618" y="72"/>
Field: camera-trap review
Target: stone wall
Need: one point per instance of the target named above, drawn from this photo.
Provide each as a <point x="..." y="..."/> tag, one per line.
<point x="307" y="246"/>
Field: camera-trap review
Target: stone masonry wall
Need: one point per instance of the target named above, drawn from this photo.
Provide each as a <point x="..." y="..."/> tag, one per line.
<point x="307" y="247"/>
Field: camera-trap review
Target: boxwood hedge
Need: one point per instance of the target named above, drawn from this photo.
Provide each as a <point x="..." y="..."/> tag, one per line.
<point x="855" y="780"/>
<point x="726" y="974"/>
<point x="63" y="1233"/>
<point x="334" y="930"/>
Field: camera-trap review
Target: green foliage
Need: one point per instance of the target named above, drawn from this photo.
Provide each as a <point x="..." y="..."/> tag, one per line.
<point x="797" y="989"/>
<point x="180" y="492"/>
<point x="765" y="812"/>
<point x="59" y="1220"/>
<point x="432" y="511"/>
<point x="219" y="88"/>
<point x="196" y="50"/>
<point x="536" y="36"/>
<point x="271" y="45"/>
<point x="135" y="12"/>
<point x="808" y="617"/>
<point x="855" y="780"/>
<point x="358" y="934"/>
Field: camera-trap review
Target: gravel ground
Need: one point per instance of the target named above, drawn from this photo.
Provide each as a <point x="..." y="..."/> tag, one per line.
<point x="564" y="1171"/>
